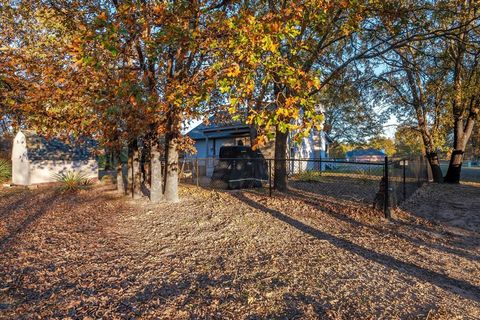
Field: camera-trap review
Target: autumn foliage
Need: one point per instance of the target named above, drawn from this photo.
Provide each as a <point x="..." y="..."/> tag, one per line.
<point x="132" y="73"/>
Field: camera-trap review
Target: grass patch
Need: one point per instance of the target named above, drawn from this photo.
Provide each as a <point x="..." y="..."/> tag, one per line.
<point x="358" y="175"/>
<point x="5" y="170"/>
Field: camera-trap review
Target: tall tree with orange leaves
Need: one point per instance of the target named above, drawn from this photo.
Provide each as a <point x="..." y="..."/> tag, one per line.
<point x="282" y="54"/>
<point x="169" y="46"/>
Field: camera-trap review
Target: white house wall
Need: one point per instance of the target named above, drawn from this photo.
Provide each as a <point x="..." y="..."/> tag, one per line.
<point x="42" y="171"/>
<point x="312" y="147"/>
<point x="20" y="163"/>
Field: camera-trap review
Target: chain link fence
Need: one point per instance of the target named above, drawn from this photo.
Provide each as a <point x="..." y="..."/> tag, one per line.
<point x="347" y="180"/>
<point x="405" y="177"/>
<point x="383" y="185"/>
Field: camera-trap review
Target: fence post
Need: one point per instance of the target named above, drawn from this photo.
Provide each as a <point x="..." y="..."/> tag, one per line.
<point x="427" y="166"/>
<point x="404" y="180"/>
<point x="320" y="162"/>
<point x="386" y="202"/>
<point x="196" y="169"/>
<point x="419" y="171"/>
<point x="270" y="176"/>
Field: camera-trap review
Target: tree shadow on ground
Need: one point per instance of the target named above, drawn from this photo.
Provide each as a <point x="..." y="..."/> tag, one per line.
<point x="453" y="206"/>
<point x="41" y="208"/>
<point x="37" y="204"/>
<point x="347" y="188"/>
<point x="466" y="241"/>
<point x="362" y="193"/>
<point x="16" y="203"/>
<point x="294" y="308"/>
<point x="189" y="289"/>
<point x="459" y="287"/>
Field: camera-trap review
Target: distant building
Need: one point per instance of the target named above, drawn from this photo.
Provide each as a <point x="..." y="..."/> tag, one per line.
<point x="36" y="159"/>
<point x="210" y="138"/>
<point x="366" y="155"/>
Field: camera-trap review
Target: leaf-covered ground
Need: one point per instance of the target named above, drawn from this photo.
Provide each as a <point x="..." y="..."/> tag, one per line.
<point x="236" y="255"/>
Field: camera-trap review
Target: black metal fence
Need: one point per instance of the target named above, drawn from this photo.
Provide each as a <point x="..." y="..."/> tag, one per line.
<point x="382" y="185"/>
<point x="346" y="180"/>
<point x="405" y="177"/>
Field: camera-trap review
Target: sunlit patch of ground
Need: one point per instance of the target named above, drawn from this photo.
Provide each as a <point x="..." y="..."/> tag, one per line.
<point x="238" y="255"/>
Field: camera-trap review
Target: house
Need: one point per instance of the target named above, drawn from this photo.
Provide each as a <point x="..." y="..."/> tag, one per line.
<point x="365" y="155"/>
<point x="209" y="138"/>
<point x="36" y="159"/>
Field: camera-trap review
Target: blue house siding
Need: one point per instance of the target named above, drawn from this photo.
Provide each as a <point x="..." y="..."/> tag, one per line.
<point x="210" y="138"/>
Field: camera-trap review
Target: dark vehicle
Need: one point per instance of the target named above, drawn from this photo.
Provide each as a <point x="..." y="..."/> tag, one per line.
<point x="240" y="167"/>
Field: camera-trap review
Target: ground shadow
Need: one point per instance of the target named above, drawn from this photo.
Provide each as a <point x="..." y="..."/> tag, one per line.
<point x="41" y="208"/>
<point x="460" y="287"/>
<point x="340" y="216"/>
<point x="453" y="206"/>
<point x="342" y="187"/>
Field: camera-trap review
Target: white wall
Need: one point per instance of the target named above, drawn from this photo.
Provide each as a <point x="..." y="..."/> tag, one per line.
<point x="312" y="147"/>
<point x="42" y="171"/>
<point x="26" y="172"/>
<point x="20" y="163"/>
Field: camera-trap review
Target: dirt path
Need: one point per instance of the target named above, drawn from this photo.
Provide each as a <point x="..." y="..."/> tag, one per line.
<point x="237" y="255"/>
<point x="454" y="207"/>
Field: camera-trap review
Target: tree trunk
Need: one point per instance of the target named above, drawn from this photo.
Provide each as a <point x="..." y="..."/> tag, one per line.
<point x="455" y="167"/>
<point x="171" y="172"/>
<point x="137" y="173"/>
<point x="156" y="194"/>
<point x="280" y="171"/>
<point x="253" y="134"/>
<point x="437" y="174"/>
<point x="462" y="131"/>
<point x="130" y="170"/>
<point x="121" y="181"/>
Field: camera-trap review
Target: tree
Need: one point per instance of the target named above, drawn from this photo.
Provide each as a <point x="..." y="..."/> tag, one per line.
<point x="281" y="56"/>
<point x="408" y="142"/>
<point x="383" y="143"/>
<point x="349" y="104"/>
<point x="171" y="45"/>
<point x="424" y="80"/>
<point x="126" y="72"/>
<point x="461" y="60"/>
<point x="57" y="84"/>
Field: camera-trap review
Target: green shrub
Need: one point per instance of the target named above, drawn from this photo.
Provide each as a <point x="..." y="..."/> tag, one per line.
<point x="5" y="170"/>
<point x="102" y="161"/>
<point x="73" y="181"/>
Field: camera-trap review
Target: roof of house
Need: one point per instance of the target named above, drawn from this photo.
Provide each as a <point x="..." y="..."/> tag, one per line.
<point x="365" y="152"/>
<point x="224" y="129"/>
<point x="218" y="130"/>
<point x="41" y="148"/>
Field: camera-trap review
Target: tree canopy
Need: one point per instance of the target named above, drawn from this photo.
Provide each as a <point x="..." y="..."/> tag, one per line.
<point x="134" y="72"/>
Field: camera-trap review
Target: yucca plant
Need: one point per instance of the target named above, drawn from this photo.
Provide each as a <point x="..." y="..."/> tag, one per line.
<point x="72" y="181"/>
<point x="5" y="170"/>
